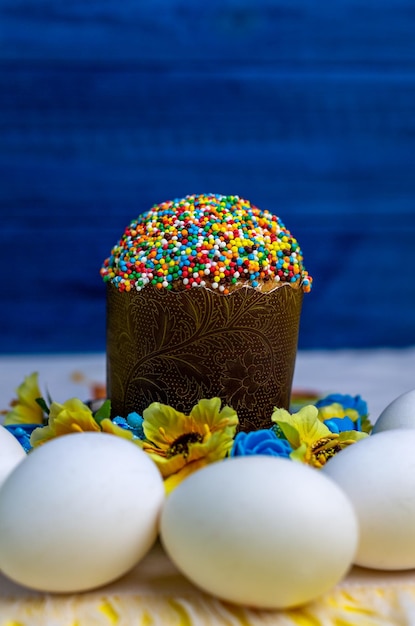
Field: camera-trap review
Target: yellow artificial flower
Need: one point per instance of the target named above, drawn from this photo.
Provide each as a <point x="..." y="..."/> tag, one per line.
<point x="312" y="441"/>
<point x="73" y="416"/>
<point x="25" y="409"/>
<point x="337" y="410"/>
<point x="180" y="444"/>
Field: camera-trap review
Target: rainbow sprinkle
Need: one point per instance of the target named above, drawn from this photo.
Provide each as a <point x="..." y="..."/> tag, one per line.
<point x="214" y="241"/>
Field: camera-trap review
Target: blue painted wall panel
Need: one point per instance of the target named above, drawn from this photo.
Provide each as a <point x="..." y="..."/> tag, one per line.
<point x="308" y="110"/>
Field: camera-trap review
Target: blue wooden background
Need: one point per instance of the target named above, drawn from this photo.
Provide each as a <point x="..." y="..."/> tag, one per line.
<point x="306" y="109"/>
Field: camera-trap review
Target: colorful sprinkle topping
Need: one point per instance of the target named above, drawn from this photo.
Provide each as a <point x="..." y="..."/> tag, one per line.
<point x="214" y="241"/>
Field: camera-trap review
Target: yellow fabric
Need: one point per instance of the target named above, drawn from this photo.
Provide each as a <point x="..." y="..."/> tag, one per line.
<point x="155" y="593"/>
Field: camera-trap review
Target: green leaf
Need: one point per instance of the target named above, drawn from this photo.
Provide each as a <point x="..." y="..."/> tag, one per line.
<point x="104" y="412"/>
<point x="48" y="396"/>
<point x="41" y="402"/>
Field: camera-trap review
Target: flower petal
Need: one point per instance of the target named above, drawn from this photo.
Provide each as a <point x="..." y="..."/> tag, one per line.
<point x="339" y="424"/>
<point x="72" y="415"/>
<point x="351" y="436"/>
<point x="299" y="454"/>
<point x="25" y="409"/>
<point x="162" y="424"/>
<point x="209" y="412"/>
<point x="263" y="441"/>
<point x="337" y="410"/>
<point x="175" y="479"/>
<point x="175" y="441"/>
<point x="41" y="435"/>
<point x="301" y="427"/>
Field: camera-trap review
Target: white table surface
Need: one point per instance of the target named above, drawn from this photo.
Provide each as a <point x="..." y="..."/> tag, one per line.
<point x="366" y="598"/>
<point x="379" y="375"/>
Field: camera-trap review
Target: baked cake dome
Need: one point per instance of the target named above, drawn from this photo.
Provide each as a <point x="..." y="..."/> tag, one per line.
<point x="212" y="241"/>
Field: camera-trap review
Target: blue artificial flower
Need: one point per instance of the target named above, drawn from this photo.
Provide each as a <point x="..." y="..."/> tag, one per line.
<point x="22" y="433"/>
<point x="133" y="422"/>
<point x="260" y="442"/>
<point x="348" y="402"/>
<point x="341" y="424"/>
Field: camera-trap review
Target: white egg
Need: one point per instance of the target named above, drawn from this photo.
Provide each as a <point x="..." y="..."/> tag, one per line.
<point x="400" y="413"/>
<point x="11" y="453"/>
<point x="80" y="511"/>
<point x="260" y="531"/>
<point x="378" y="475"/>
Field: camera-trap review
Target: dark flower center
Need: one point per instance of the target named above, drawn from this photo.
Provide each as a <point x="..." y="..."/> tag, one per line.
<point x="182" y="443"/>
<point x="323" y="450"/>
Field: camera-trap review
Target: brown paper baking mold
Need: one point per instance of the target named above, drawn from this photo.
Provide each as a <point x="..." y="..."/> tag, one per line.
<point x="178" y="347"/>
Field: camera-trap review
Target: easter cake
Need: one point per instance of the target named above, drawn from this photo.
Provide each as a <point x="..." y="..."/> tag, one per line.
<point x="204" y="296"/>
